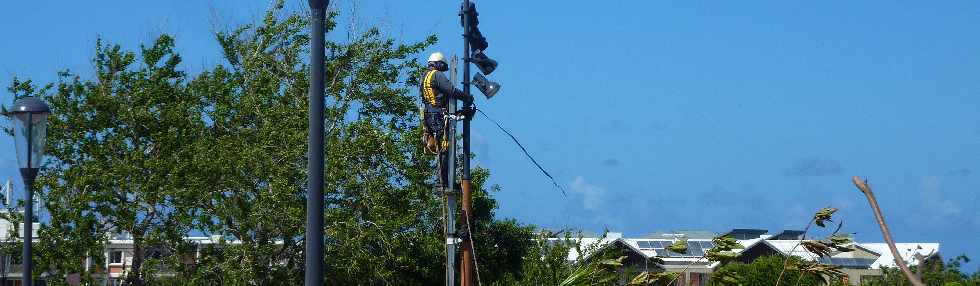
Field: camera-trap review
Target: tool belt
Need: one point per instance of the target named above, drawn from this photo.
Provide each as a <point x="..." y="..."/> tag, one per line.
<point x="434" y="130"/>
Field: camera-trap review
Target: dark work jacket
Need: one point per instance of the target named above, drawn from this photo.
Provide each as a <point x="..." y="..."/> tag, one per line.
<point x="436" y="90"/>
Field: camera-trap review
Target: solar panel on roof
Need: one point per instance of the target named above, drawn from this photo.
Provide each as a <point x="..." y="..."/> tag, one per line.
<point x="661" y="252"/>
<point x="643" y="244"/>
<point x="695" y="251"/>
<point x="656" y="244"/>
<point x="707" y="245"/>
<point x="699" y="244"/>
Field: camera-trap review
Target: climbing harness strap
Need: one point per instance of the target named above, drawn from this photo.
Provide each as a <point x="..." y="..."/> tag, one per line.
<point x="429" y="96"/>
<point x="428" y="90"/>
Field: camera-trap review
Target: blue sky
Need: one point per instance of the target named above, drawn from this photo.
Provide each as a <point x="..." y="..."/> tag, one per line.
<point x="656" y="115"/>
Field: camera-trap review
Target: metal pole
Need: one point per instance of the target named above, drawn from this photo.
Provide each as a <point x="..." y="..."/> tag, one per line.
<point x="466" y="277"/>
<point x="449" y="188"/>
<point x="314" y="199"/>
<point x="27" y="274"/>
<point x="28" y="174"/>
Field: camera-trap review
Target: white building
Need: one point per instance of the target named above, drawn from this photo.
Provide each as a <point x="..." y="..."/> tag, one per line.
<point x="649" y="253"/>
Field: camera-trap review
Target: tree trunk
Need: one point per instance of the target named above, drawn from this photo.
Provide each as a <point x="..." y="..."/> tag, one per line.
<point x="135" y="277"/>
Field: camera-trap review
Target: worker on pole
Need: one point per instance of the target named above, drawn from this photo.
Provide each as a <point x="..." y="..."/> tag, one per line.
<point x="439" y="100"/>
<point x="436" y="91"/>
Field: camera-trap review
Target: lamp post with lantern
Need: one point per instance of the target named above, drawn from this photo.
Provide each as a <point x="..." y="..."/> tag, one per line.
<point x="30" y="117"/>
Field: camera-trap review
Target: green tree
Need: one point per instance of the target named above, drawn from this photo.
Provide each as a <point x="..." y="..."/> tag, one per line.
<point x="761" y="272"/>
<point x="546" y="261"/>
<point x="934" y="272"/>
<point x="11" y="246"/>
<point x="115" y="158"/>
<point x="384" y="222"/>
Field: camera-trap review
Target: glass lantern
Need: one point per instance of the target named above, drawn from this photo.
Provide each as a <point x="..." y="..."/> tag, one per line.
<point x="30" y="118"/>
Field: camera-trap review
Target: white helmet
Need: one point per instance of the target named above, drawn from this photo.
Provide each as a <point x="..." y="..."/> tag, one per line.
<point x="437" y="57"/>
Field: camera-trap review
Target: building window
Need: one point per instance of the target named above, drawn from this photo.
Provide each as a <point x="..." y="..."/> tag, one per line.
<point x="115" y="257"/>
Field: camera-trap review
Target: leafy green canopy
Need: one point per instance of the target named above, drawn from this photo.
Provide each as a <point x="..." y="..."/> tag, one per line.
<point x="933" y="272"/>
<point x="764" y="271"/>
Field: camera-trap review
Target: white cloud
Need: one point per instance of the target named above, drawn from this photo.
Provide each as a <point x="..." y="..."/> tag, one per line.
<point x="934" y="201"/>
<point x="592" y="195"/>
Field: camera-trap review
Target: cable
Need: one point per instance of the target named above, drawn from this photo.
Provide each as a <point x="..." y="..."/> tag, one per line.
<point x="476" y="265"/>
<point x="525" y="152"/>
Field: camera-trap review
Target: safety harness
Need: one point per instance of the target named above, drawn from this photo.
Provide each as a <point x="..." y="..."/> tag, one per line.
<point x="428" y="91"/>
<point x="429" y="96"/>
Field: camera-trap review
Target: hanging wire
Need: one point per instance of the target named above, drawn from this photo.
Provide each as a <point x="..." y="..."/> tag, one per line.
<point x="476" y="264"/>
<point x="525" y="152"/>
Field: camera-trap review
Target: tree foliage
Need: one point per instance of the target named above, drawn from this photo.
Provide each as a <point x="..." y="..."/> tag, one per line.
<point x="934" y="272"/>
<point x="117" y="162"/>
<point x="761" y="272"/>
<point x="546" y="261"/>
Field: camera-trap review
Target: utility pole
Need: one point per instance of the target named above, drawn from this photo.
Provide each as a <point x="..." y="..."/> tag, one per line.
<point x="448" y="186"/>
<point x="314" y="195"/>
<point x="474" y="52"/>
<point x="466" y="269"/>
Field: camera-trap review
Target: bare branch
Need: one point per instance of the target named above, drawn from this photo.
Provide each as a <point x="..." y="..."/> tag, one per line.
<point x="863" y="186"/>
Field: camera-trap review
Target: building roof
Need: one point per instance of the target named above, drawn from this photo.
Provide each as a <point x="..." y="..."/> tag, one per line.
<point x="865" y="256"/>
<point x="690" y="234"/>
<point x="788" y="247"/>
<point x="788" y="234"/>
<point x="906" y="250"/>
<point x="646" y="247"/>
<point x="746" y="233"/>
<point x="880" y="250"/>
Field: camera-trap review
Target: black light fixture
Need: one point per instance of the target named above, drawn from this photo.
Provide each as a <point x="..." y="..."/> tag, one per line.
<point x="484" y="63"/>
<point x="487" y="87"/>
<point x="477" y="46"/>
<point x="30" y="118"/>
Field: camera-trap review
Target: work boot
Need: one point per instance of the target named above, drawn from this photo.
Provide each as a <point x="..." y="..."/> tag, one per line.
<point x="431" y="144"/>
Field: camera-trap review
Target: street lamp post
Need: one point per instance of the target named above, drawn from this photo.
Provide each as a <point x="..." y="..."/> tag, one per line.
<point x="314" y="195"/>
<point x="30" y="117"/>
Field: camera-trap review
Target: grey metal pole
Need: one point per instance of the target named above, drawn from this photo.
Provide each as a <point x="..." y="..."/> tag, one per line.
<point x="450" y="235"/>
<point x="466" y="269"/>
<point x="314" y="199"/>
<point x="449" y="188"/>
<point x="28" y="174"/>
<point x="466" y="90"/>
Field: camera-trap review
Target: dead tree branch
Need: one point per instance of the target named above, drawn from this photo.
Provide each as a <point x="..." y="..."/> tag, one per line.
<point x="863" y="186"/>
